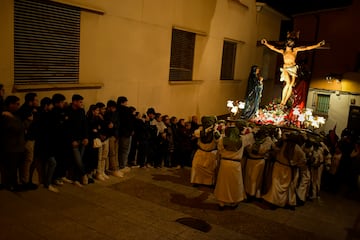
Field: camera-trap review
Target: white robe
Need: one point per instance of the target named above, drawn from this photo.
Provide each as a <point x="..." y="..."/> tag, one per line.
<point x="204" y="164"/>
<point x="285" y="176"/>
<point x="254" y="169"/>
<point x="229" y="187"/>
<point x="316" y="172"/>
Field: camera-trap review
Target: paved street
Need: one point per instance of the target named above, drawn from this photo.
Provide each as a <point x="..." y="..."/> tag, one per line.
<point x="146" y="203"/>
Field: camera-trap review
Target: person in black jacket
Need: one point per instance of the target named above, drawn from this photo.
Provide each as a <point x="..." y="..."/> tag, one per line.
<point x="126" y="130"/>
<point x="28" y="113"/>
<point x="142" y="131"/>
<point x="152" y="143"/>
<point x="62" y="151"/>
<point x="12" y="143"/>
<point x="91" y="159"/>
<point x="112" y="118"/>
<point x="45" y="144"/>
<point x="104" y="150"/>
<point x="134" y="140"/>
<point x="77" y="133"/>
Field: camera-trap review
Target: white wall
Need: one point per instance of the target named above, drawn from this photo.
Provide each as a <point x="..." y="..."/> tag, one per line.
<point x="339" y="107"/>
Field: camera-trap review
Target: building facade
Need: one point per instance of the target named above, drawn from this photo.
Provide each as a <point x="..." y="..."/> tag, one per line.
<point x="335" y="70"/>
<point x="126" y="47"/>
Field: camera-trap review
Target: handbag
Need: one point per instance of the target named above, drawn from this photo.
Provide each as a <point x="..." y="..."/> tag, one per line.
<point x="97" y="143"/>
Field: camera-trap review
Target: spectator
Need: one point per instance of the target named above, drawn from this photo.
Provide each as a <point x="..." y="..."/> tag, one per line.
<point x="126" y="130"/>
<point x="103" y="162"/>
<point x="346" y="146"/>
<point x="170" y="144"/>
<point x="76" y="126"/>
<point x="133" y="145"/>
<point x="62" y="151"/>
<point x="45" y="144"/>
<point x="28" y="113"/>
<point x="12" y="142"/>
<point x="150" y="123"/>
<point x="91" y="160"/>
<point x="194" y="142"/>
<point x="160" y="141"/>
<point x="184" y="137"/>
<point x="112" y="119"/>
<point x="175" y="157"/>
<point x="142" y="131"/>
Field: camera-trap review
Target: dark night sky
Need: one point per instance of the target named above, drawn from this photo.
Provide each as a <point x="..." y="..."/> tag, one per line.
<point x="290" y="7"/>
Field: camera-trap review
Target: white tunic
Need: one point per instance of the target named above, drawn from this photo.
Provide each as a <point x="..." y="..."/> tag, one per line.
<point x="285" y="177"/>
<point x="229" y="185"/>
<point x="254" y="169"/>
<point x="204" y="164"/>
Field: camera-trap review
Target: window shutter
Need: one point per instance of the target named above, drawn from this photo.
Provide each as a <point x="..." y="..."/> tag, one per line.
<point x="182" y="55"/>
<point x="46" y="42"/>
<point x="228" y="61"/>
<point x="323" y="103"/>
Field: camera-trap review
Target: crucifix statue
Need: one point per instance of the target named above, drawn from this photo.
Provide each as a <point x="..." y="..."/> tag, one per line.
<point x="289" y="69"/>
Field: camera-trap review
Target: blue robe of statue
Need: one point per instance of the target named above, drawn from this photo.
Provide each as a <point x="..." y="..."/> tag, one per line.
<point x="253" y="93"/>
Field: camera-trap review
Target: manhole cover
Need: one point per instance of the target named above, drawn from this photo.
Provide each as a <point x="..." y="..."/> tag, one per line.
<point x="198" y="224"/>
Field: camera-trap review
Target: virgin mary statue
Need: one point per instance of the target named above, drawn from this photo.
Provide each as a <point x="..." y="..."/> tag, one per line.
<point x="253" y="93"/>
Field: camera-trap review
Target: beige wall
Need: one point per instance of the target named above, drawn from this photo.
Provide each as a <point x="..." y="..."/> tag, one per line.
<point x="6" y="45"/>
<point x="128" y="51"/>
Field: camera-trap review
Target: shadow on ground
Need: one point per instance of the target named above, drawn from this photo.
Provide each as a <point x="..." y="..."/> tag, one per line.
<point x="196" y="203"/>
<point x="178" y="176"/>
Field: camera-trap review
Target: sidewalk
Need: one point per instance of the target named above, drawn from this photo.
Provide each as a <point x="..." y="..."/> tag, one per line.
<point x="146" y="203"/>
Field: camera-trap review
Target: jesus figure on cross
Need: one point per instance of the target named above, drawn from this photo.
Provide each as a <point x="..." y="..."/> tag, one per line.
<point x="289" y="69"/>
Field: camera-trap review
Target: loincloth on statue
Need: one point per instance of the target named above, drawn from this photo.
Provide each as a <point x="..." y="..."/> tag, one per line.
<point x="292" y="71"/>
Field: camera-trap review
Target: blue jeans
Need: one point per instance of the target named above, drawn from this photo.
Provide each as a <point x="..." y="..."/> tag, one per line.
<point x="50" y="165"/>
<point x="78" y="154"/>
<point x="124" y="148"/>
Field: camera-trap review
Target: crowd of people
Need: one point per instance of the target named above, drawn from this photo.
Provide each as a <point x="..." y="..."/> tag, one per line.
<point x="66" y="143"/>
<point x="242" y="161"/>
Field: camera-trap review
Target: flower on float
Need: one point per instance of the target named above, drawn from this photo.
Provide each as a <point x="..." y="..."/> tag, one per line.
<point x="234" y="106"/>
<point x="301" y="117"/>
<point x="234" y="110"/>
<point x="321" y="120"/>
<point x="296" y="111"/>
<point x="315" y="124"/>
<point x="241" y="105"/>
<point x="308" y="112"/>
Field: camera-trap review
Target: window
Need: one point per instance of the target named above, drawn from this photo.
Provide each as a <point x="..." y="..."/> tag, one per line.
<point x="228" y="61"/>
<point x="46" y="42"/>
<point x="182" y="55"/>
<point x="322" y="103"/>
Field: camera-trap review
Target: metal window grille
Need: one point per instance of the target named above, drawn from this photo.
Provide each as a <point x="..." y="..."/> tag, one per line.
<point x="46" y="42"/>
<point x="228" y="61"/>
<point x="182" y="55"/>
<point x="322" y="105"/>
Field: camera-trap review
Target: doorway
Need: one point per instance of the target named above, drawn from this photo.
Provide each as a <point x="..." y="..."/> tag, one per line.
<point x="354" y="118"/>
